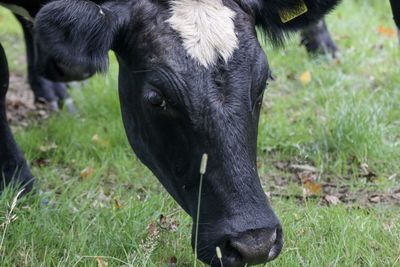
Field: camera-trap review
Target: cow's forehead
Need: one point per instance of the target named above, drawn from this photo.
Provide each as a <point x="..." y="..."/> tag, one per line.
<point x="206" y="28"/>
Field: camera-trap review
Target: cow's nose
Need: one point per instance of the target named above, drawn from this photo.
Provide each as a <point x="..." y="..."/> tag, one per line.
<point x="253" y="247"/>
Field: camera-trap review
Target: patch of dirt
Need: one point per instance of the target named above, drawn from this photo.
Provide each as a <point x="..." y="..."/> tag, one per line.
<point x="331" y="192"/>
<point x="335" y="194"/>
<point x="21" y="109"/>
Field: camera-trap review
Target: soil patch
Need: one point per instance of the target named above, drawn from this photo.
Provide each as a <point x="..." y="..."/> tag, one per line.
<point x="21" y="109"/>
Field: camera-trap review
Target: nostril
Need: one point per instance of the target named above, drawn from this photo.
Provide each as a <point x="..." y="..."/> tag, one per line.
<point x="230" y="252"/>
<point x="253" y="247"/>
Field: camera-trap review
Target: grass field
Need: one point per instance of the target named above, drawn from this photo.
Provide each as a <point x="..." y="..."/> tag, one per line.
<point x="335" y="136"/>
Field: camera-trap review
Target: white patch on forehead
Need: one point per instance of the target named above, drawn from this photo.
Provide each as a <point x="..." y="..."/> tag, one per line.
<point x="18" y="10"/>
<point x="207" y="29"/>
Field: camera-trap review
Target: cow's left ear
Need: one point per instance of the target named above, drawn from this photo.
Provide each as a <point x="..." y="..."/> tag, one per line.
<point x="276" y="17"/>
<point x="76" y="33"/>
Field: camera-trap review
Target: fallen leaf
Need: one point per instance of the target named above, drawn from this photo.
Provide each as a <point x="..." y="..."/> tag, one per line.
<point x="375" y="199"/>
<point x="305" y="77"/>
<point x="311" y="188"/>
<point x="387" y="32"/>
<point x="97" y="140"/>
<point x="333" y="200"/>
<point x="101" y="262"/>
<point x="86" y="173"/>
<point x="152" y="229"/>
<point x="117" y="203"/>
<point x="41" y="162"/>
<point x="173" y="261"/>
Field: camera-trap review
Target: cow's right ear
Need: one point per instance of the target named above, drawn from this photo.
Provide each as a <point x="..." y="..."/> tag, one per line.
<point x="76" y="33"/>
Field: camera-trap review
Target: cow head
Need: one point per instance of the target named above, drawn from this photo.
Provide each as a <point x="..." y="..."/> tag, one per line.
<point x="191" y="81"/>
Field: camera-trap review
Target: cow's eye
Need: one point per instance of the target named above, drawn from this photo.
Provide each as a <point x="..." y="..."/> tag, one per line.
<point x="260" y="95"/>
<point x="157" y="100"/>
<point x="261" y="89"/>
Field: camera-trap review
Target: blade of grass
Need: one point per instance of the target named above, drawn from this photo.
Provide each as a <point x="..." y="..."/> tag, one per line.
<point x="203" y="167"/>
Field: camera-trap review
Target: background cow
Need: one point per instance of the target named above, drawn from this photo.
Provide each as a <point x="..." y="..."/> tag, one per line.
<point x="317" y="39"/>
<point x="191" y="81"/>
<point x="52" y="93"/>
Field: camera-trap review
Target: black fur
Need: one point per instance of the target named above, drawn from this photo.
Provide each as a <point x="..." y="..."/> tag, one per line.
<point x="13" y="167"/>
<point x="76" y="33"/>
<point x="395" y="4"/>
<point x="44" y="90"/>
<point x="174" y="109"/>
<point x="317" y="38"/>
<point x="266" y="14"/>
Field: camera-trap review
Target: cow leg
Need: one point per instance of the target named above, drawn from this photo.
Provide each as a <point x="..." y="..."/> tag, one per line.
<point x="317" y="39"/>
<point x="13" y="167"/>
<point x="45" y="91"/>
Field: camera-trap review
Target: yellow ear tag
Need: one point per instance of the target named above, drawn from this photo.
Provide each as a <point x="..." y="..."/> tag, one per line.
<point x="290" y="14"/>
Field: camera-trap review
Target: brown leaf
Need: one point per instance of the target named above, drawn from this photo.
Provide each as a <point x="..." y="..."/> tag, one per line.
<point x="101" y="262"/>
<point x="86" y="173"/>
<point x="333" y="200"/>
<point x="172" y="262"/>
<point x="152" y="229"/>
<point x="41" y="162"/>
<point x="311" y="188"/>
<point x="387" y="32"/>
<point x="117" y="203"/>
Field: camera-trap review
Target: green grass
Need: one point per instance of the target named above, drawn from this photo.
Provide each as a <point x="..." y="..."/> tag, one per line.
<point x="346" y="116"/>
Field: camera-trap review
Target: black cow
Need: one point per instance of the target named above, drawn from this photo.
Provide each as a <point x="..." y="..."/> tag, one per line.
<point x="52" y="93"/>
<point x="191" y="81"/>
<point x="317" y="39"/>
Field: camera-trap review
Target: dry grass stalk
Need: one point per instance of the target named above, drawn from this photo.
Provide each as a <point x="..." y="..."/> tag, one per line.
<point x="9" y="218"/>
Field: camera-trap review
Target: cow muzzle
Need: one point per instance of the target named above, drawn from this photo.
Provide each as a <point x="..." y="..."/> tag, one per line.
<point x="251" y="247"/>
